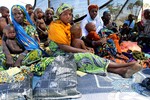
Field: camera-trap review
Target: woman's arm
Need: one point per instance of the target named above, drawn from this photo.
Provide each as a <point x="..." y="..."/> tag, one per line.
<point x="68" y="49"/>
<point x="20" y="58"/>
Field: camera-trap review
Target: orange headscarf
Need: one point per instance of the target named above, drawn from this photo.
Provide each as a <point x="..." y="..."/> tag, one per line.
<point x="60" y="32"/>
<point x="92" y="6"/>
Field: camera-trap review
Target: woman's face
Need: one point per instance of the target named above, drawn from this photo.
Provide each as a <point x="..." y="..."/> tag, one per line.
<point x="30" y="9"/>
<point x="66" y="16"/>
<point x="18" y="15"/>
<point x="107" y="16"/>
<point x="93" y="13"/>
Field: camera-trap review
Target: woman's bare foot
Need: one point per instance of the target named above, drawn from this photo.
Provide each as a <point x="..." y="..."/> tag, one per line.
<point x="132" y="69"/>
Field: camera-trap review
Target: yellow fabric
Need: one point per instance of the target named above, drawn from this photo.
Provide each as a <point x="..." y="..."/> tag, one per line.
<point x="59" y="32"/>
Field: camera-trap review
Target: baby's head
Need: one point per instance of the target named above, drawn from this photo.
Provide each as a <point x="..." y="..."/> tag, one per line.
<point x="29" y="8"/>
<point x="76" y="31"/>
<point x="38" y="13"/>
<point x="125" y="26"/>
<point x="9" y="32"/>
<point x="4" y="12"/>
<point x="90" y="27"/>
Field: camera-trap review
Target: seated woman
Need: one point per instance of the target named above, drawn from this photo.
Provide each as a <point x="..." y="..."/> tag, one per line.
<point x="108" y="23"/>
<point x="13" y="47"/>
<point x="60" y="36"/>
<point x="25" y="30"/>
<point x="23" y="25"/>
<point x="110" y="29"/>
<point x="144" y="37"/>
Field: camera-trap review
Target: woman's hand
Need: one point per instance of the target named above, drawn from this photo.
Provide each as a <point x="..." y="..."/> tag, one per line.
<point x="100" y="42"/>
<point x="9" y="63"/>
<point x="90" y="49"/>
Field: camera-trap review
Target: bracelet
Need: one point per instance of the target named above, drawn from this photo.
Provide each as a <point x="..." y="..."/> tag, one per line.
<point x="23" y="54"/>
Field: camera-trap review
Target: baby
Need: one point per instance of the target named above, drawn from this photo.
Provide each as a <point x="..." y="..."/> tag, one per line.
<point x="29" y="9"/>
<point x="13" y="46"/>
<point x="92" y="34"/>
<point x="40" y="24"/>
<point x="76" y="42"/>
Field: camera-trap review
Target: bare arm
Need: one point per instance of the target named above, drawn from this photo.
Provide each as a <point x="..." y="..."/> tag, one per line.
<point x="3" y="23"/>
<point x="12" y="44"/>
<point x="83" y="45"/>
<point x="20" y="58"/>
<point x="9" y="59"/>
<point x="68" y="49"/>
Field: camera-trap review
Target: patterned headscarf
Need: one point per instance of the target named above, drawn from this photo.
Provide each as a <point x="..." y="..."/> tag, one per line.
<point x="49" y="9"/>
<point x="92" y="6"/>
<point x="63" y="7"/>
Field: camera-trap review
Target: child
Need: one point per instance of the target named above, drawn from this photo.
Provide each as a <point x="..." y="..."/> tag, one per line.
<point x="13" y="46"/>
<point x="29" y="9"/>
<point x="49" y="13"/>
<point x="76" y="34"/>
<point x="4" y="18"/>
<point x="92" y="34"/>
<point x="41" y="26"/>
<point x="125" y="31"/>
<point x="107" y="45"/>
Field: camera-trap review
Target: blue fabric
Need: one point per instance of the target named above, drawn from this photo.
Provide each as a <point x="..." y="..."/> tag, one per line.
<point x="130" y="25"/>
<point x="35" y="81"/>
<point x="23" y="38"/>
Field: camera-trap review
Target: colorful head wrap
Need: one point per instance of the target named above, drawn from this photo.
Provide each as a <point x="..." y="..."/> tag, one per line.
<point x="92" y="6"/>
<point x="63" y="7"/>
<point x="49" y="9"/>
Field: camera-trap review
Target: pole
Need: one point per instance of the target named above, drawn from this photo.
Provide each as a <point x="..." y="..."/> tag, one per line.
<point x="48" y="3"/>
<point x="88" y="2"/>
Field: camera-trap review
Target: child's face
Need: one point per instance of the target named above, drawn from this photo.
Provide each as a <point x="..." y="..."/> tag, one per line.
<point x="11" y="33"/>
<point x="125" y="26"/>
<point x="49" y="14"/>
<point x="30" y="9"/>
<point x="5" y="13"/>
<point x="40" y="13"/>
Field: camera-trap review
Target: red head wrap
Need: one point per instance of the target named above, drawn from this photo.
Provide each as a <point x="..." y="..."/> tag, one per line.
<point x="92" y="6"/>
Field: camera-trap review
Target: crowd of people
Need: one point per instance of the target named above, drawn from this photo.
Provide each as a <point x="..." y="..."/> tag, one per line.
<point x="35" y="34"/>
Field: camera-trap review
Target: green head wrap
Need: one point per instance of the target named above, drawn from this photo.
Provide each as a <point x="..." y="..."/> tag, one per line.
<point x="63" y="7"/>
